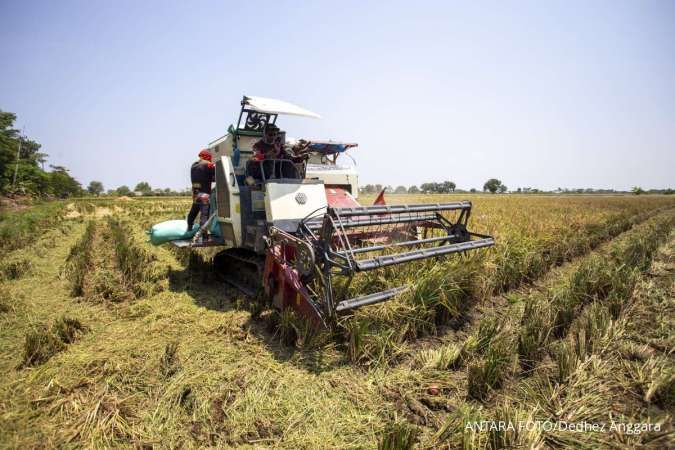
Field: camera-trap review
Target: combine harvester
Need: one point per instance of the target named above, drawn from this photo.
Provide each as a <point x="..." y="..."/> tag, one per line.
<point x="294" y="227"/>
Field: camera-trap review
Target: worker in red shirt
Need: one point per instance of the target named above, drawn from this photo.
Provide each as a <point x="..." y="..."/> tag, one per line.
<point x="202" y="174"/>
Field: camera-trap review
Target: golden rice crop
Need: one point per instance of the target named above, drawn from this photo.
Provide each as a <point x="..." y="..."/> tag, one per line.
<point x="566" y="317"/>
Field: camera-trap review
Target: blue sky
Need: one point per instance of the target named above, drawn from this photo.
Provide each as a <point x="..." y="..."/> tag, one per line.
<point x="542" y="94"/>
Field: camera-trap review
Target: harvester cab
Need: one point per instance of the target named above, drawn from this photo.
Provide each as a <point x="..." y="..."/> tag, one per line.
<point x="291" y="226"/>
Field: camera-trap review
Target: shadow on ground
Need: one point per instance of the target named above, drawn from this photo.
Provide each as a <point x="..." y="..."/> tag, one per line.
<point x="286" y="343"/>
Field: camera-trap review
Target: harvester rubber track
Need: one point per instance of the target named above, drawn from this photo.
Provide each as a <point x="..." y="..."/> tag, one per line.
<point x="241" y="268"/>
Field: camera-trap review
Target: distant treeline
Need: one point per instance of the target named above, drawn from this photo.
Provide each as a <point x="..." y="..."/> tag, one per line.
<point x="494" y="186"/>
<point x="143" y="188"/>
<point x="22" y="166"/>
<point x="444" y="187"/>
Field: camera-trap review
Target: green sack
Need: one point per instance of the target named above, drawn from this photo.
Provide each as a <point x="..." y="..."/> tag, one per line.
<point x="171" y="230"/>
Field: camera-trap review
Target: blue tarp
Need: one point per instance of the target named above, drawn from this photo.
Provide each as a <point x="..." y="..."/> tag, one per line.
<point x="328" y="148"/>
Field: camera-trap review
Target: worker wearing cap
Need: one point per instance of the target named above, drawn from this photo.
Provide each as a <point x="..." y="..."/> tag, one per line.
<point x="202" y="174"/>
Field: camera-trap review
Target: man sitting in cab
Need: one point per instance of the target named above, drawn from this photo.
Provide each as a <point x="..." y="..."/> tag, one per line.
<point x="269" y="146"/>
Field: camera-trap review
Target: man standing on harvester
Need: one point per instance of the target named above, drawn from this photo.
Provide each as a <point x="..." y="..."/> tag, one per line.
<point x="202" y="174"/>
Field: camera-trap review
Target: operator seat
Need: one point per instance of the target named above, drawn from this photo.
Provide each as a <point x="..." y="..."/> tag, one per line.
<point x="272" y="169"/>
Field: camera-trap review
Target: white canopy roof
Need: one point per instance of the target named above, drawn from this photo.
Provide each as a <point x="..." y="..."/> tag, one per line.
<point x="270" y="105"/>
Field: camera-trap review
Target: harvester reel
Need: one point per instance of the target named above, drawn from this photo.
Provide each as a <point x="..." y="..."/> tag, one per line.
<point x="335" y="248"/>
<point x="312" y="269"/>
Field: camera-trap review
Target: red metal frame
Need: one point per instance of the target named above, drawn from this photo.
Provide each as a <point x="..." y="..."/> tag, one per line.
<point x="282" y="283"/>
<point x="281" y="280"/>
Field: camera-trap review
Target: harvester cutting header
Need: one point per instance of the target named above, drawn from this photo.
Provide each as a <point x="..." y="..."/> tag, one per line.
<point x="287" y="216"/>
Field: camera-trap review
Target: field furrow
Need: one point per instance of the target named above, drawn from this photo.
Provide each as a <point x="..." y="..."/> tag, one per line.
<point x="516" y="346"/>
<point x="445" y="292"/>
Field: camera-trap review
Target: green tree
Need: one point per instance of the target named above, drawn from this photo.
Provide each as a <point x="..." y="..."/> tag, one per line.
<point x="400" y="190"/>
<point x="448" y="186"/>
<point x="31" y="177"/>
<point x="369" y="189"/>
<point x="429" y="188"/>
<point x="62" y="184"/>
<point x="502" y="188"/>
<point x="95" y="188"/>
<point x="9" y="143"/>
<point x="492" y="185"/>
<point x="413" y="190"/>
<point x="637" y="190"/>
<point x="143" y="187"/>
<point x="123" y="190"/>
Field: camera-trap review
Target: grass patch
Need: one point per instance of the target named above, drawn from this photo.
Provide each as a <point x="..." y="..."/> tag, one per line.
<point x="398" y="435"/>
<point x="77" y="264"/>
<point x="169" y="364"/>
<point x="535" y="330"/>
<point x="135" y="263"/>
<point x="15" y="267"/>
<point x="5" y="302"/>
<point x="490" y="371"/>
<point x="42" y="342"/>
<point x="444" y="357"/>
<point x="19" y="228"/>
<point x="105" y="284"/>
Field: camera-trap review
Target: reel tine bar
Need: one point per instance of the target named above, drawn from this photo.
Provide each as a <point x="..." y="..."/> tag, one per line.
<point x="415" y="231"/>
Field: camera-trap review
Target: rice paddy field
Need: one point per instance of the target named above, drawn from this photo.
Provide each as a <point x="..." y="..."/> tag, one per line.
<point x="560" y="336"/>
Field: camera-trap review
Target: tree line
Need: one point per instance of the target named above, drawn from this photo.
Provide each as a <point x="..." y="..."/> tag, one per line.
<point x="496" y="186"/>
<point x="143" y="188"/>
<point x="493" y="185"/>
<point x="22" y="166"/>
